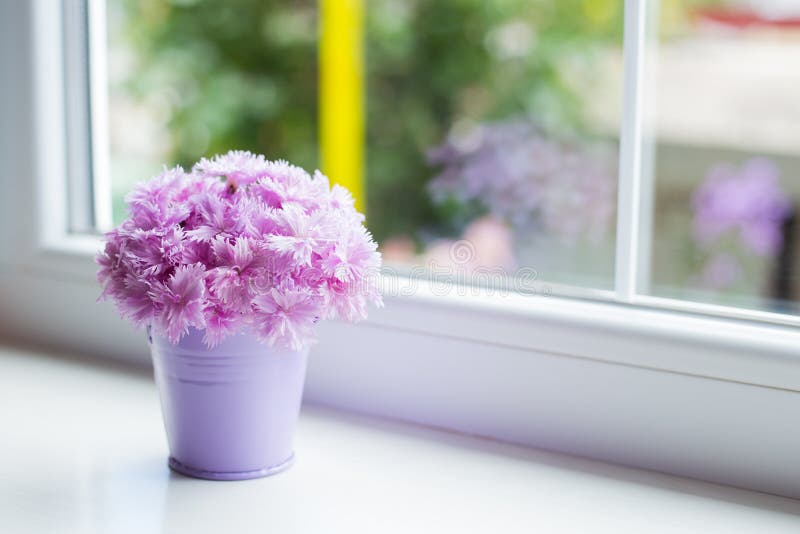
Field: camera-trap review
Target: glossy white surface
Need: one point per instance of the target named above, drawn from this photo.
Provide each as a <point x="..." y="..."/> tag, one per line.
<point x="83" y="451"/>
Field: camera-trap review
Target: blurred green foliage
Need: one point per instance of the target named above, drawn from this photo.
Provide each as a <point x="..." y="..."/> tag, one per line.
<point x="243" y="74"/>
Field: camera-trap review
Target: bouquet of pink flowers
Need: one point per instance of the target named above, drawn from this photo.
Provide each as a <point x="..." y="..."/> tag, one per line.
<point x="240" y="243"/>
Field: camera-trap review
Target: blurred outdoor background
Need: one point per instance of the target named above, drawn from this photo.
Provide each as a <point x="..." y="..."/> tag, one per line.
<point x="492" y="128"/>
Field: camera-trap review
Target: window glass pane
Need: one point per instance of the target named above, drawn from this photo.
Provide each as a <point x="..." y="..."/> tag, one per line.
<point x="491" y="126"/>
<point x="492" y="134"/>
<point x="727" y="155"/>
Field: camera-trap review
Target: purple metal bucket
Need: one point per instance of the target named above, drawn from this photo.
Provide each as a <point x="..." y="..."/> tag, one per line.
<point x="229" y="411"/>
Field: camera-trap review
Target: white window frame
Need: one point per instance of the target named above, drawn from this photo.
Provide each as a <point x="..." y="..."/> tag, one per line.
<point x="629" y="380"/>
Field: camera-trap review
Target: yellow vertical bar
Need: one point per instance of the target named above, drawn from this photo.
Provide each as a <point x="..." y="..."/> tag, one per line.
<point x="341" y="100"/>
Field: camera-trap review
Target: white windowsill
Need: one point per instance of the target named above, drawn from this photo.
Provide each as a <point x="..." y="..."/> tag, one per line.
<point x="83" y="451"/>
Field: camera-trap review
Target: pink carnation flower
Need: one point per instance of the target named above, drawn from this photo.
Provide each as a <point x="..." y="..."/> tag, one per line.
<point x="240" y="244"/>
<point x="287" y="315"/>
<point x="237" y="167"/>
<point x="179" y="301"/>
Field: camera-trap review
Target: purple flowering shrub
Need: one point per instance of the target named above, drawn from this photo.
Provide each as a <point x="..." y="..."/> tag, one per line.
<point x="240" y="243"/>
<point x="738" y="213"/>
<point x="532" y="181"/>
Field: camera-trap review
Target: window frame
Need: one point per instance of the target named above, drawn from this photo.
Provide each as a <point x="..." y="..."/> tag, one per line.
<point x="513" y="367"/>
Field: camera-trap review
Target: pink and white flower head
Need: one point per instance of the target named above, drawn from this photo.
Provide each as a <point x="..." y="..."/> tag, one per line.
<point x="240" y="243"/>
